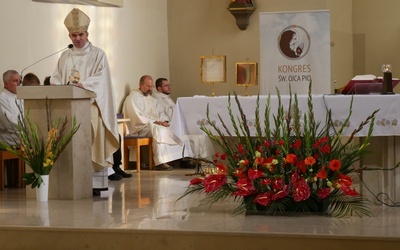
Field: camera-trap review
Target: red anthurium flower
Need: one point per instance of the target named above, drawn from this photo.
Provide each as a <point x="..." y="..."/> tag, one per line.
<point x="277" y="184"/>
<point x="267" y="144"/>
<point x="264" y="199"/>
<point x="265" y="182"/>
<point x="240" y="173"/>
<point x="294" y="177"/>
<point x="291" y="158"/>
<point x="343" y="181"/>
<point x="349" y="191"/>
<point x="322" y="174"/>
<point x="245" y="184"/>
<point x="301" y="190"/>
<point x="196" y="181"/>
<point x="309" y="161"/>
<point x="324" y="192"/>
<point x="334" y="165"/>
<point x="214" y="182"/>
<point x="281" y="193"/>
<point x="254" y="174"/>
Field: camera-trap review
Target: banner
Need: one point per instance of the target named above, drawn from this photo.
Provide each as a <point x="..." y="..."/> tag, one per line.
<point x="294" y="50"/>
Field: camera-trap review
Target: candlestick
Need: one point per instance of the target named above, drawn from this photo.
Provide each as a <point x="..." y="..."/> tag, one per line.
<point x="387" y="87"/>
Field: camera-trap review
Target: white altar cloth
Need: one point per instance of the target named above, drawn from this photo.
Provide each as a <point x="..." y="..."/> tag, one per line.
<point x="190" y="112"/>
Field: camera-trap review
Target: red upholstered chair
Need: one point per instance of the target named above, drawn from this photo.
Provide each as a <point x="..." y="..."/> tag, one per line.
<point x="6" y="155"/>
<point x="136" y="142"/>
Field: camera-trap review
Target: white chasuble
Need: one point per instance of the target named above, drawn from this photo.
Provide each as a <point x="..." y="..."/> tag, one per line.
<point x="90" y="65"/>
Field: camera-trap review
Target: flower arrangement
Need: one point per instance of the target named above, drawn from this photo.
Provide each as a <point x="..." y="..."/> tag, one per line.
<point x="36" y="151"/>
<point x="292" y="165"/>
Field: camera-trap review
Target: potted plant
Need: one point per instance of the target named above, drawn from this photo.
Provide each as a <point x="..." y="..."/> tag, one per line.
<point x="290" y="165"/>
<point x="40" y="152"/>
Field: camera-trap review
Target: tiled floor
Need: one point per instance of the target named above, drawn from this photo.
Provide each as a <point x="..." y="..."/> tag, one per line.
<point x="148" y="201"/>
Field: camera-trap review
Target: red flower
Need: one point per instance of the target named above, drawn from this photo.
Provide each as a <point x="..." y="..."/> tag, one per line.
<point x="296" y="144"/>
<point x="349" y="191"/>
<point x="245" y="162"/>
<point x="326" y="149"/>
<point x="265" y="182"/>
<point x="291" y="158"/>
<point x="281" y="193"/>
<point x="214" y="182"/>
<point x="344" y="180"/>
<point x="322" y="174"/>
<point x="334" y="165"/>
<point x="277" y="184"/>
<point x="301" y="190"/>
<point x="254" y="174"/>
<point x="196" y="181"/>
<point x="264" y="199"/>
<point x="259" y="161"/>
<point x="240" y="173"/>
<point x="323" y="192"/>
<point x="301" y="166"/>
<point x="309" y="161"/>
<point x="223" y="157"/>
<point x="241" y="149"/>
<point x="245" y="185"/>
<point x="267" y="144"/>
<point x="222" y="169"/>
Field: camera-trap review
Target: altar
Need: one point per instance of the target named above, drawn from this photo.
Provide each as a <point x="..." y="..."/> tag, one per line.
<point x="190" y="114"/>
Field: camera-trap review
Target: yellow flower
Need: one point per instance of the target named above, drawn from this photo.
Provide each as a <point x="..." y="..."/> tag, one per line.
<point x="48" y="163"/>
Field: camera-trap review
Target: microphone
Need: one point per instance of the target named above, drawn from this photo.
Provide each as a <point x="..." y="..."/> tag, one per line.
<point x="68" y="47"/>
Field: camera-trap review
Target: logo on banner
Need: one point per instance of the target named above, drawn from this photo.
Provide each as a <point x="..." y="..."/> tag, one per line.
<point x="294" y="42"/>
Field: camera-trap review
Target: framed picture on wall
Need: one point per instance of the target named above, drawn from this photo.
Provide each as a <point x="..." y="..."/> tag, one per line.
<point x="213" y="69"/>
<point x="246" y="73"/>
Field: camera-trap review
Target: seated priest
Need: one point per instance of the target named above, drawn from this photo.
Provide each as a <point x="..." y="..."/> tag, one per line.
<point x="147" y="118"/>
<point x="8" y="107"/>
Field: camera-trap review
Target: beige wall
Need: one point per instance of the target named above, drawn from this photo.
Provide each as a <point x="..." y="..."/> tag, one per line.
<point x="360" y="29"/>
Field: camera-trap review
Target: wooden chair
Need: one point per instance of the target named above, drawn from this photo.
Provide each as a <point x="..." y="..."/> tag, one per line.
<point x="136" y="142"/>
<point x="6" y="155"/>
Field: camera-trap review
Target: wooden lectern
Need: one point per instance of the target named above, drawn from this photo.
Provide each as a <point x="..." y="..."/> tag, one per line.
<point x="71" y="176"/>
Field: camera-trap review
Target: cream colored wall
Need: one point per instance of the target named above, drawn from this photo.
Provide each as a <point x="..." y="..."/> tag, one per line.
<point x="199" y="28"/>
<point x="134" y="38"/>
<point x="377" y="24"/>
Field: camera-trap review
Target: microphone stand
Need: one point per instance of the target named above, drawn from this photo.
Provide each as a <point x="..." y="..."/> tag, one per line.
<point x="22" y="71"/>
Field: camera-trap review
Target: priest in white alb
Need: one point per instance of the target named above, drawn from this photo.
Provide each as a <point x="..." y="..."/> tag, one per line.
<point x="86" y="66"/>
<point x="147" y="118"/>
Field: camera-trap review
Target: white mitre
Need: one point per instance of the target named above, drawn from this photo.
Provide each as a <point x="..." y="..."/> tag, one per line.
<point x="77" y="21"/>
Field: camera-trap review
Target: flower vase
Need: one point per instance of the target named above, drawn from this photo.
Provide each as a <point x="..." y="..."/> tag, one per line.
<point x="42" y="192"/>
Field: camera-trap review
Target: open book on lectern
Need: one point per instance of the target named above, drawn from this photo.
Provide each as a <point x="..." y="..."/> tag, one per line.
<point x="366" y="84"/>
